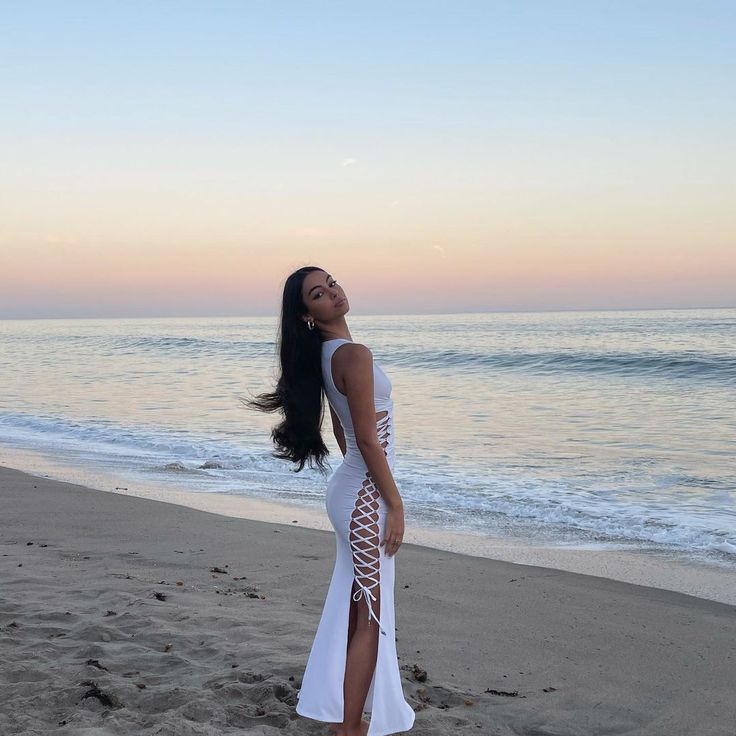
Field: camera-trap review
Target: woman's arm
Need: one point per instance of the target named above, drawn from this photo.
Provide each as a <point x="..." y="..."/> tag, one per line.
<point x="358" y="377"/>
<point x="338" y="431"/>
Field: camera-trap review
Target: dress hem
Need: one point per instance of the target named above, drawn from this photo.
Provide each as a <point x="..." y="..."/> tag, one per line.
<point x="382" y="733"/>
<point x="316" y="718"/>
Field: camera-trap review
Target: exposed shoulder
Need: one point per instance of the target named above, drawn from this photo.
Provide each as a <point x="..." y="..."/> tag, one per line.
<point x="355" y="354"/>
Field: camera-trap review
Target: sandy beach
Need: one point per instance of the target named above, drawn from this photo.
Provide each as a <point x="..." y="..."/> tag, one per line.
<point x="125" y="615"/>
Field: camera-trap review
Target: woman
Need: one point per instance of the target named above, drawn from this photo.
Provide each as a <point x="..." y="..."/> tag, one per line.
<point x="352" y="667"/>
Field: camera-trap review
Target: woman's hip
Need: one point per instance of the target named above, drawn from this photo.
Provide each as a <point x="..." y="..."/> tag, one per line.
<point x="350" y="495"/>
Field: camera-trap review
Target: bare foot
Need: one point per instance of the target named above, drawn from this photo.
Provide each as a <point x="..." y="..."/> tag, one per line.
<point x="339" y="730"/>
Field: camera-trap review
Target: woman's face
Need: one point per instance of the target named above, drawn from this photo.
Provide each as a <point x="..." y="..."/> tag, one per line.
<point x="323" y="297"/>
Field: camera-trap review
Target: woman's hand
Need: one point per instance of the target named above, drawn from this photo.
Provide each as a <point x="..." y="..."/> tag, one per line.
<point x="394" y="530"/>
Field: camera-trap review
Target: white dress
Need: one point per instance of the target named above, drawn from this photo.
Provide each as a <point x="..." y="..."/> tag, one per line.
<point x="354" y="507"/>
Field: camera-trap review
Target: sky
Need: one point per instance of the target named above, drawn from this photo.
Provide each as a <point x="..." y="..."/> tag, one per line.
<point x="166" y="158"/>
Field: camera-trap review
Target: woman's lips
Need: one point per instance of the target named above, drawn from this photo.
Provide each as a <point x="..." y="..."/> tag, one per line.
<point x="340" y="302"/>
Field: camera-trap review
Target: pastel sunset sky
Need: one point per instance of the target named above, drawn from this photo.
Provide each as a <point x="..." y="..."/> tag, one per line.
<point x="169" y="158"/>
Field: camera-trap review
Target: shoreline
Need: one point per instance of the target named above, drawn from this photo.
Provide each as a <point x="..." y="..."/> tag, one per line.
<point x="192" y="623"/>
<point x="634" y="566"/>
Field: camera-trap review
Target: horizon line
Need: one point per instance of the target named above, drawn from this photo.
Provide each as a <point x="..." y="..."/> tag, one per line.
<point x="379" y="314"/>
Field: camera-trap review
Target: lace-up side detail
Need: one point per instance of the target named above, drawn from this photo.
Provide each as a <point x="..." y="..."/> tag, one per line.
<point x="364" y="541"/>
<point x="384" y="429"/>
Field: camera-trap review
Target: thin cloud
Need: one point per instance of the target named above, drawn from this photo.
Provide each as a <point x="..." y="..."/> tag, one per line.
<point x="440" y="250"/>
<point x="348" y="162"/>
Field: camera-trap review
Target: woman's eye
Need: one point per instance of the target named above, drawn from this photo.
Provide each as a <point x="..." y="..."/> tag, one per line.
<point x="319" y="293"/>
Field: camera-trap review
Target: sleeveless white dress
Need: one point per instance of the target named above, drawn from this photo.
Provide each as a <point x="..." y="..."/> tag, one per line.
<point x="354" y="507"/>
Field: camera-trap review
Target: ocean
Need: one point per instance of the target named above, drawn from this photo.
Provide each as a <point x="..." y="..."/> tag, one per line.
<point x="585" y="429"/>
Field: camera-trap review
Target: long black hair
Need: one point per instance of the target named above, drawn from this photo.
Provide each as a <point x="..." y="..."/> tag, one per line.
<point x="298" y="393"/>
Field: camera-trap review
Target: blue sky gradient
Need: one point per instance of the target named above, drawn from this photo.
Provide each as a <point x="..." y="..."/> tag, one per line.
<point x="561" y="131"/>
